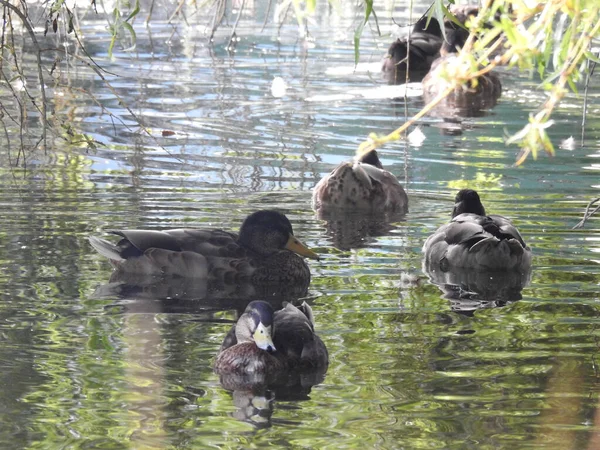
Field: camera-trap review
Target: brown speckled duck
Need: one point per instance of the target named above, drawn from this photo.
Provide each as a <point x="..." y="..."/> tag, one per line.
<point x="360" y="185"/>
<point x="469" y="100"/>
<point x="474" y="240"/>
<point x="264" y="344"/>
<point x="265" y="251"/>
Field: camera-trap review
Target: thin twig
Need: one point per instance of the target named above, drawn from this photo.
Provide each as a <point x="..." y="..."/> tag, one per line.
<point x="267" y="16"/>
<point x="590" y="71"/>
<point x="587" y="214"/>
<point x="237" y="20"/>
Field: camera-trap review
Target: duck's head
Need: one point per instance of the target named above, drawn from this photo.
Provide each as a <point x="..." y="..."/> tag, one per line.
<point x="267" y="232"/>
<point x="256" y="325"/>
<point x="368" y="157"/>
<point x="455" y="40"/>
<point x="467" y="201"/>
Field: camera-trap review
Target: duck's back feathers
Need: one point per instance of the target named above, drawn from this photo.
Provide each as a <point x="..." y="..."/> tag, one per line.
<point x="295" y="338"/>
<point x="477" y="242"/>
<point x="360" y="185"/>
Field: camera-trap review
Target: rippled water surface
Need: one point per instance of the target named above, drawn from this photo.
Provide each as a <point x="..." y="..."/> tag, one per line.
<point x="411" y="366"/>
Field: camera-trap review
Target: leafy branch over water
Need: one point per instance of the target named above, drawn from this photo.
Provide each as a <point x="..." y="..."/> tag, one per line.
<point x="522" y="35"/>
<point x="552" y="38"/>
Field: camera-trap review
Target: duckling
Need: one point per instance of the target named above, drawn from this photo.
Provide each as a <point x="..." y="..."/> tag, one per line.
<point x="362" y="185"/>
<point x="414" y="52"/>
<point x="265" y="251"/>
<point x="474" y="240"/>
<point x="264" y="344"/>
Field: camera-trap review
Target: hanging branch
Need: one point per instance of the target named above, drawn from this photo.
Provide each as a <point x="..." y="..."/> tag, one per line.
<point x="29" y="28"/>
<point x="587" y="214"/>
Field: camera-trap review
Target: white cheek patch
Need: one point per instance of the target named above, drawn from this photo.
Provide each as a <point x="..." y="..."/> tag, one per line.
<point x="262" y="337"/>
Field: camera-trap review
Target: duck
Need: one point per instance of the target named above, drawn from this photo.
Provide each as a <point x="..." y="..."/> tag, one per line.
<point x="471" y="99"/>
<point x="415" y="52"/>
<point x="264" y="252"/>
<point x="265" y="344"/>
<point x="475" y="240"/>
<point x="360" y="185"/>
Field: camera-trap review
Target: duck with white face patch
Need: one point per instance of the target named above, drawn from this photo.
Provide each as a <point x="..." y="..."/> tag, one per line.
<point x="265" y="344"/>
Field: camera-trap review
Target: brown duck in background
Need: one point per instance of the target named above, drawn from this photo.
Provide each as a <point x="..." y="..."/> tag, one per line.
<point x="265" y="251"/>
<point x="360" y="185"/>
<point x="264" y="345"/>
<point x="471" y="99"/>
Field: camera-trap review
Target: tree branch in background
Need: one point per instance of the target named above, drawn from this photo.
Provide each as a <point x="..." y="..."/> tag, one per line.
<point x="525" y="37"/>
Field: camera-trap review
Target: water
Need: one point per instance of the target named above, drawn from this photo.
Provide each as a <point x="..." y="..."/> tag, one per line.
<point x="86" y="368"/>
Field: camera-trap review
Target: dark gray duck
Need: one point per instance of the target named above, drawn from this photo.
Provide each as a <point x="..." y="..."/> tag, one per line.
<point x="475" y="240"/>
<point x="265" y="251"/>
<point x="415" y="52"/>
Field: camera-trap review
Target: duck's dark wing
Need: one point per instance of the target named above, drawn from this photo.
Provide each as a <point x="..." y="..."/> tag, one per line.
<point x="420" y="50"/>
<point x="295" y="339"/>
<point x="507" y="228"/>
<point x="480" y="242"/>
<point x="205" y="242"/>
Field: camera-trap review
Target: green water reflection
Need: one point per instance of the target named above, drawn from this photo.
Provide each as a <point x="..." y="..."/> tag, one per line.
<point x="83" y="370"/>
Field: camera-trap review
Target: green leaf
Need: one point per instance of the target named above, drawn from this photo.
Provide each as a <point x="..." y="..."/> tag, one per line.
<point x="359" y="30"/>
<point x="136" y="10"/>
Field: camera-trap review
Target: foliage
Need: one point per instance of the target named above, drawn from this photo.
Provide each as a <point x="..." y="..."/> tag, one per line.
<point x="523" y="34"/>
<point x="551" y="38"/>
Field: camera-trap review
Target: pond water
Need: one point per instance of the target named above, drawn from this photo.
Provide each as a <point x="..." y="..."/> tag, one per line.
<point x="88" y="366"/>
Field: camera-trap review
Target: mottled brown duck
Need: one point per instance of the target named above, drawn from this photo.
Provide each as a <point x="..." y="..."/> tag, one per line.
<point x="360" y="185"/>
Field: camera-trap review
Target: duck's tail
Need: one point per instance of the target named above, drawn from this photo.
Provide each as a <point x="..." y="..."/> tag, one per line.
<point x="106" y="248"/>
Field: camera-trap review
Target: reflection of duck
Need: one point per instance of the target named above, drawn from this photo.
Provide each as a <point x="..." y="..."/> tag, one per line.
<point x="263" y="345"/>
<point x="476" y="241"/>
<point x="361" y="185"/>
<point x="178" y="294"/>
<point x="469" y="290"/>
<point x="415" y="52"/>
<point x="354" y="230"/>
<point x="263" y="252"/>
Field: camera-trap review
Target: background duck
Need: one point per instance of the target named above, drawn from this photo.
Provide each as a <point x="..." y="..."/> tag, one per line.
<point x="360" y="185"/>
<point x="476" y="241"/>
<point x="265" y="251"/>
<point x="417" y="51"/>
<point x="264" y="344"/>
<point x="414" y="52"/>
<point x="471" y="99"/>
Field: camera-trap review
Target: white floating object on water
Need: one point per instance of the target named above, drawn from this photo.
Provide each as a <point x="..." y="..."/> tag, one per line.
<point x="390" y="91"/>
<point x="416" y="137"/>
<point x="568" y="144"/>
<point x="329" y="98"/>
<point x="278" y="87"/>
<point x="359" y="68"/>
<point x="18" y="84"/>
